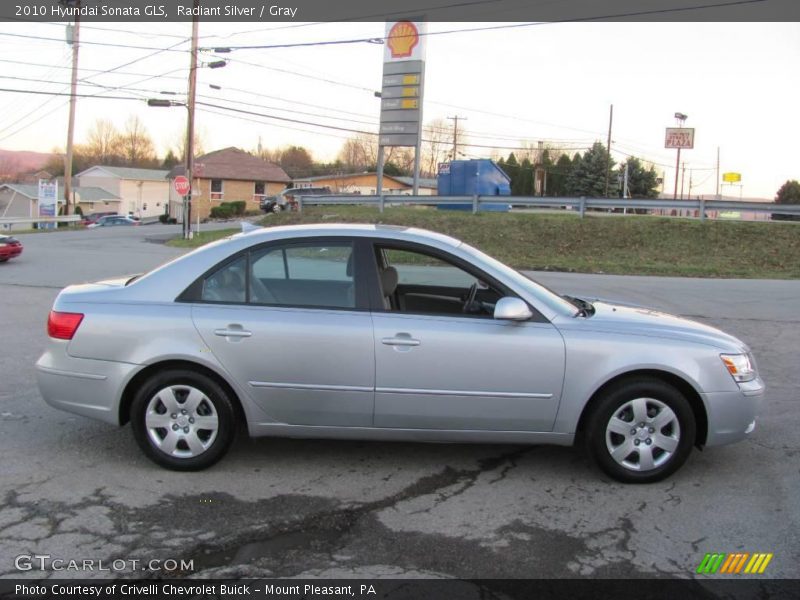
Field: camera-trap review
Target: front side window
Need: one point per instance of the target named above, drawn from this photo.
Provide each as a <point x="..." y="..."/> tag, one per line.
<point x="227" y="284"/>
<point x="417" y="282"/>
<point x="315" y="274"/>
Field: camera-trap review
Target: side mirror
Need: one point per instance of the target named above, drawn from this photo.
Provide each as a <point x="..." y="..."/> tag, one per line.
<point x="512" y="309"/>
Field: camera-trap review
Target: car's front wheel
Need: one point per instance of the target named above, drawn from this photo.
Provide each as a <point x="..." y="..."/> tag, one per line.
<point x="183" y="420"/>
<point x="641" y="431"/>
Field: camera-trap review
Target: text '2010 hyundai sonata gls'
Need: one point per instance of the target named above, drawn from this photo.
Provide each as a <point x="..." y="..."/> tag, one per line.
<point x="387" y="333"/>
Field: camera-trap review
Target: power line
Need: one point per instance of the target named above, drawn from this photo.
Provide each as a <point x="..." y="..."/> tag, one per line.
<point x="66" y="94"/>
<point x="108" y="44"/>
<point x="374" y="40"/>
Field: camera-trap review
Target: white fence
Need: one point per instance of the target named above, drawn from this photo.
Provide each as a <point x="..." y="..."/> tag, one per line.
<point x="579" y="205"/>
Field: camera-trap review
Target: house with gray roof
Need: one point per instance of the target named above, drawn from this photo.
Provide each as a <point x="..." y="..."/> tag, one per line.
<point x="142" y="192"/>
<point x="22" y="200"/>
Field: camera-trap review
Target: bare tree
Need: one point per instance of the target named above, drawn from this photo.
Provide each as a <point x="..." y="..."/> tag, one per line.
<point x="360" y="152"/>
<point x="437" y="145"/>
<point x="103" y="144"/>
<point x="10" y="169"/>
<point x="179" y="143"/>
<point x="137" y="145"/>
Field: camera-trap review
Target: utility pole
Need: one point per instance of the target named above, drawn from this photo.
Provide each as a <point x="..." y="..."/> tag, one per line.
<point x="187" y="200"/>
<point x="608" y="147"/>
<point x="718" y="197"/>
<point x="455" y="134"/>
<point x="75" y="41"/>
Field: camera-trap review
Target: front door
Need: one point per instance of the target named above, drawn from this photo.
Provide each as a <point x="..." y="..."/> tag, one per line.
<point x="443" y="362"/>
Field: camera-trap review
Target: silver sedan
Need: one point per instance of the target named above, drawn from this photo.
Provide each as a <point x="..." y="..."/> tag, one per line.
<point x="388" y="333"/>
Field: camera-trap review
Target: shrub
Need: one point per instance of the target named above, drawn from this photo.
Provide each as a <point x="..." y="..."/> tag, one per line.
<point x="237" y="207"/>
<point x="223" y="211"/>
<point x="163" y="219"/>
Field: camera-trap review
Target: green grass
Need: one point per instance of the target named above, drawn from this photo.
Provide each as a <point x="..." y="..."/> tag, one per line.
<point x="629" y="245"/>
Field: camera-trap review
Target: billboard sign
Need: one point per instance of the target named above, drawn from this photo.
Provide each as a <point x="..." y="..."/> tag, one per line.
<point x="679" y="137"/>
<point x="731" y="177"/>
<point x="403" y="82"/>
<point x="47" y="197"/>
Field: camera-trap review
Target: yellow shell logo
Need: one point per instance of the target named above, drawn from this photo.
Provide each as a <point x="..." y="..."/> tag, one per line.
<point x="403" y="37"/>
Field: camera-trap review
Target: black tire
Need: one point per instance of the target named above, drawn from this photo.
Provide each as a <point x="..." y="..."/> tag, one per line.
<point x="619" y="402"/>
<point x="215" y="404"/>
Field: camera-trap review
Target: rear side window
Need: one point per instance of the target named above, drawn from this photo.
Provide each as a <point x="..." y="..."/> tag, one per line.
<point x="227" y="284"/>
<point x="316" y="274"/>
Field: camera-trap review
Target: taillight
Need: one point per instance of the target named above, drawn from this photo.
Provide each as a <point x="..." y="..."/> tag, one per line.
<point x="63" y="325"/>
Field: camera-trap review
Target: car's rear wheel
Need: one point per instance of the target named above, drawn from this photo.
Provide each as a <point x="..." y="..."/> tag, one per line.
<point x="183" y="420"/>
<point x="641" y="431"/>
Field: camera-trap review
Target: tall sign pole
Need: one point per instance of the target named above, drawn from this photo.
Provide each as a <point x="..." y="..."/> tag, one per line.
<point x="679" y="137"/>
<point x="402" y="92"/>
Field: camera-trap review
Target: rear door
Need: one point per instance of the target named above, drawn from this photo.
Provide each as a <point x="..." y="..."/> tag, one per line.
<point x="286" y="321"/>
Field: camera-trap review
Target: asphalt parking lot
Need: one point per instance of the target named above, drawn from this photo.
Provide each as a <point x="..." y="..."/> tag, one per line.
<point x="74" y="488"/>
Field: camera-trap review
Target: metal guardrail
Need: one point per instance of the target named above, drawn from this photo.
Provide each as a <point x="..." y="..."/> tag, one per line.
<point x="31" y="220"/>
<point x="574" y="203"/>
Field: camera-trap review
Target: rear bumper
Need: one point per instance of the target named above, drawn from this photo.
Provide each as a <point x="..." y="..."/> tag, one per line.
<point x="91" y="388"/>
<point x="732" y="416"/>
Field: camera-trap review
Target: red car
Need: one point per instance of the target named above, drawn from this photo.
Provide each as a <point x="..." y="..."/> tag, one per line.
<point x="9" y="247"/>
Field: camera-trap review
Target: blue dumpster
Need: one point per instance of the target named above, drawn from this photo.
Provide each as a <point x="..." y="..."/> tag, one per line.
<point x="479" y="176"/>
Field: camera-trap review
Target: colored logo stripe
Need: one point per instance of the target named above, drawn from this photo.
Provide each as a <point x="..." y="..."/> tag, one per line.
<point x="734" y="563"/>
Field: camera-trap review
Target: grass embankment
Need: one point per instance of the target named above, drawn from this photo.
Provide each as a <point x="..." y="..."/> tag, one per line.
<point x="630" y="245"/>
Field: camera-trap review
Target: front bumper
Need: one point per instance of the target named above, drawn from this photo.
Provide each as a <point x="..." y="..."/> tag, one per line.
<point x="732" y="415"/>
<point x="91" y="388"/>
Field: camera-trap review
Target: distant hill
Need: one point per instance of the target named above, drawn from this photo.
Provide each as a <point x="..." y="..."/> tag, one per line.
<point x="13" y="162"/>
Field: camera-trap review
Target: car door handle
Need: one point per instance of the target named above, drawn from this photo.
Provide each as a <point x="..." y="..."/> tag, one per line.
<point x="237" y="333"/>
<point x="400" y="341"/>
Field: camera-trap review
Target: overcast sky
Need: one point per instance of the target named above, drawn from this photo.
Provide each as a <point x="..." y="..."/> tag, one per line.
<point x="737" y="82"/>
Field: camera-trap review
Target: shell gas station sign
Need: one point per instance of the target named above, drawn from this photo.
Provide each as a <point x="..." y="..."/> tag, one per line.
<point x="403" y="80"/>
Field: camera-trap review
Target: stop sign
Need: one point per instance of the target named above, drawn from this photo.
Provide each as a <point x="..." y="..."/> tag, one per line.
<point x="181" y="185"/>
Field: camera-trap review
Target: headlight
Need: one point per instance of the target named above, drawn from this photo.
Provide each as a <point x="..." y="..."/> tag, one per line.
<point x="739" y="366"/>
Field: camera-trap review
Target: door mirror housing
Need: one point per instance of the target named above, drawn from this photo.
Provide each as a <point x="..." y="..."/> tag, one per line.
<point x="512" y="309"/>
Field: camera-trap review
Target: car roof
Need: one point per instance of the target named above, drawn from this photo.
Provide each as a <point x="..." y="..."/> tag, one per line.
<point x="350" y="229"/>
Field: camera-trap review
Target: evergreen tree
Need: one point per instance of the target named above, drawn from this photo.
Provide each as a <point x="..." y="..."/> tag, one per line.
<point x="170" y="160"/>
<point x="588" y="176"/>
<point x="557" y="176"/>
<point x="525" y="179"/>
<point x="512" y="170"/>
<point x="642" y="182"/>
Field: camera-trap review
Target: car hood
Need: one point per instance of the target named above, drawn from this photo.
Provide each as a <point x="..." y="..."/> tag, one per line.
<point x="637" y="320"/>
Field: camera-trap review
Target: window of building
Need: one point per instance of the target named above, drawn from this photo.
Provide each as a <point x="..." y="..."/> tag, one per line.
<point x="216" y="189"/>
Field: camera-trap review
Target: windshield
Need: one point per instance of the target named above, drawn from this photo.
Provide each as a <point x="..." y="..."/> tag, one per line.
<point x="544" y="294"/>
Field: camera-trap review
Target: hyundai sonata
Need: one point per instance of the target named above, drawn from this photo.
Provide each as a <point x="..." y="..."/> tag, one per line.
<point x="387" y="333"/>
